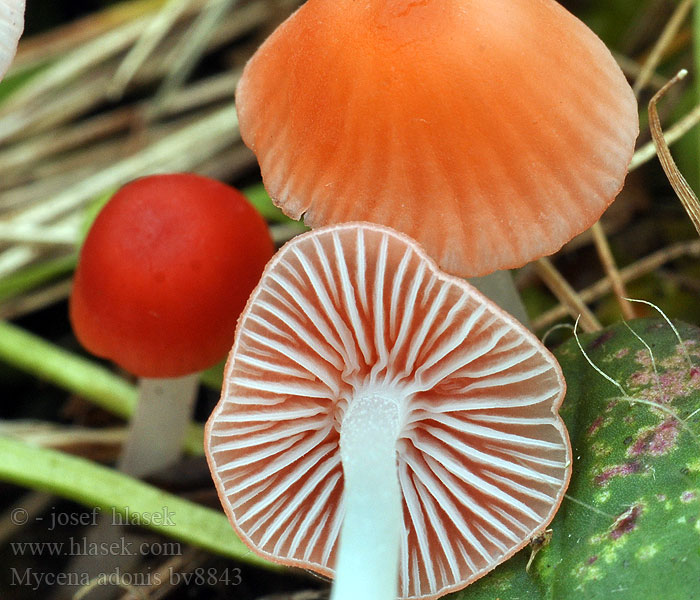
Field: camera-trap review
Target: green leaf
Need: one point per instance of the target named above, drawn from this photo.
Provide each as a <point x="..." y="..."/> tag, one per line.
<point x="630" y="525"/>
<point x="259" y="198"/>
<point x="49" y="362"/>
<point x="96" y="486"/>
<point x="213" y="377"/>
<point x="35" y="275"/>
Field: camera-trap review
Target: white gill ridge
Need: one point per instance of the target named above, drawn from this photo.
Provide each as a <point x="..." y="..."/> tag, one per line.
<point x="357" y="312"/>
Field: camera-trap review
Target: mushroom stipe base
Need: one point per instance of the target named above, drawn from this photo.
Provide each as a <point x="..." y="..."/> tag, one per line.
<point x="372" y="526"/>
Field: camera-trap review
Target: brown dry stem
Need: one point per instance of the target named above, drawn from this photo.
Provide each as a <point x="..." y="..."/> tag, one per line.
<point x="634" y="271"/>
<point x="561" y="289"/>
<point x="610" y="267"/>
<point x="680" y="185"/>
<point x="662" y="43"/>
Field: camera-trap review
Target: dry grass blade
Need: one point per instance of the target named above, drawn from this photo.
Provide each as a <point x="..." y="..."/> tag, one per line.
<point x="47" y="46"/>
<point x="76" y="85"/>
<point x="608" y="261"/>
<point x="70" y="438"/>
<point x="63" y="145"/>
<point x="183" y="146"/>
<point x="634" y="271"/>
<point x="632" y="69"/>
<point x="680" y="185"/>
<point x="162" y="581"/>
<point x="28" y="233"/>
<point x="566" y="295"/>
<point x="668" y="34"/>
<point x="191" y="48"/>
<point x="78" y="61"/>
<point x="37" y="300"/>
<point x="183" y="150"/>
<point x="14" y="160"/>
<point x="150" y="37"/>
<point x="42" y="115"/>
<point x="33" y="504"/>
<point x="671" y="135"/>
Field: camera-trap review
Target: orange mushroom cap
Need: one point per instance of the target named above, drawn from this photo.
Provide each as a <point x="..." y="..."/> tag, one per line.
<point x="357" y="318"/>
<point x="164" y="273"/>
<point x="491" y="131"/>
<point x="11" y="27"/>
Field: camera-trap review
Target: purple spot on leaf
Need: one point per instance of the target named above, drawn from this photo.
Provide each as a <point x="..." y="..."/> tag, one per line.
<point x="657" y="441"/>
<point x="595" y="426"/>
<point x="617" y="471"/>
<point x="643" y="358"/>
<point x="601" y="339"/>
<point x="626" y="522"/>
<point x="592" y="559"/>
<point x="689" y="496"/>
<point x="612" y="404"/>
<point x="639" y="378"/>
<point x="675" y="379"/>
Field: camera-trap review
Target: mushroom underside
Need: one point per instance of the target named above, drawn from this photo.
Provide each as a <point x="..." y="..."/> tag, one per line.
<point x="356" y="317"/>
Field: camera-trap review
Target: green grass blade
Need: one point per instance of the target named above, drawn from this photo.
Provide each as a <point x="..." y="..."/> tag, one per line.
<point x="34" y="355"/>
<point x="93" y="485"/>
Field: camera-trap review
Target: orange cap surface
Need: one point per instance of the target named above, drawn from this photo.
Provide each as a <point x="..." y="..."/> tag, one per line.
<point x="491" y="131"/>
<point x="358" y="311"/>
<point x="164" y="273"/>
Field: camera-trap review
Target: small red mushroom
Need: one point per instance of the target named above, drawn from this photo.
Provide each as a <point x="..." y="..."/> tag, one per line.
<point x="11" y="27"/>
<point x="163" y="275"/>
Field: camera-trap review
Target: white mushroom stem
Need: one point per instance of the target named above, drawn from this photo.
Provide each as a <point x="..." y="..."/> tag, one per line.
<point x="155" y="439"/>
<point x="368" y="557"/>
<point x="500" y="287"/>
<point x="159" y="424"/>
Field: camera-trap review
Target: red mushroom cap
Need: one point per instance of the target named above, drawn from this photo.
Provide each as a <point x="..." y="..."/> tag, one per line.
<point x="164" y="273"/>
<point x="490" y="131"/>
